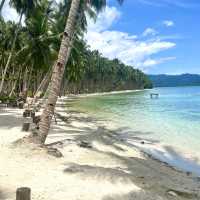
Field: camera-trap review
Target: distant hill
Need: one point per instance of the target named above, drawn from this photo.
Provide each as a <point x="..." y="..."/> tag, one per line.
<point x="164" y="80"/>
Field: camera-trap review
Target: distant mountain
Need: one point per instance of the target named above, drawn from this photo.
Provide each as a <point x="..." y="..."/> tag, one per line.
<point x="163" y="80"/>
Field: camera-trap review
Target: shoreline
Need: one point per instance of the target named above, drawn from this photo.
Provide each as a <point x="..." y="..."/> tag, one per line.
<point x="103" y="93"/>
<point x="153" y="151"/>
<point x="105" y="169"/>
<point x="174" y="159"/>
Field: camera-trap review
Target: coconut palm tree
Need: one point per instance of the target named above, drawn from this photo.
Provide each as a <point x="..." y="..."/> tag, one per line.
<point x="7" y="29"/>
<point x="59" y="68"/>
<point x="23" y="7"/>
<point x="36" y="50"/>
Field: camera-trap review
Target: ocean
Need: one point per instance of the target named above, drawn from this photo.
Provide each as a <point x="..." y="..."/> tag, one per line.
<point x="170" y="123"/>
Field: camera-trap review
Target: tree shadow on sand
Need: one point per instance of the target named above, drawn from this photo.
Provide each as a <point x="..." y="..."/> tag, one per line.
<point x="114" y="139"/>
<point x="10" y="118"/>
<point x="3" y="196"/>
<point x="148" y="183"/>
<point x="92" y="133"/>
<point x="139" y="195"/>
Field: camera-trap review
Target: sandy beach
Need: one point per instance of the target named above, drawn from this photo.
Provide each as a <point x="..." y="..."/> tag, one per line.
<point x="108" y="93"/>
<point x="97" y="164"/>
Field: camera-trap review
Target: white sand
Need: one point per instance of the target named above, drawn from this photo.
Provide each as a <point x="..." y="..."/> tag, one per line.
<point x="110" y="170"/>
<point x="106" y="93"/>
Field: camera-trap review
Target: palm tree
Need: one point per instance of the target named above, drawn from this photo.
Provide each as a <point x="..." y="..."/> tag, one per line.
<point x="59" y="68"/>
<point x="22" y="7"/>
<point x="58" y="72"/>
<point x="36" y="49"/>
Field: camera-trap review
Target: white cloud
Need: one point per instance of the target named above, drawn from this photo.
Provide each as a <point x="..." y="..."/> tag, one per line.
<point x="149" y="31"/>
<point x="105" y="19"/>
<point x="151" y="62"/>
<point x="130" y="49"/>
<point x="116" y="44"/>
<point x="168" y="23"/>
<point x="9" y="13"/>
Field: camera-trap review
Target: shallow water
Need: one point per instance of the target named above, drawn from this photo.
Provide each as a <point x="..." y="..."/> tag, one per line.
<point x="173" y="120"/>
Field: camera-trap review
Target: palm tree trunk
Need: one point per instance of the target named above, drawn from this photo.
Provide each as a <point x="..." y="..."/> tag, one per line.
<point x="29" y="78"/>
<point x="58" y="72"/>
<point x="1" y="6"/>
<point x="42" y="84"/>
<point x="24" y="87"/>
<point x="11" y="54"/>
<point x="13" y="88"/>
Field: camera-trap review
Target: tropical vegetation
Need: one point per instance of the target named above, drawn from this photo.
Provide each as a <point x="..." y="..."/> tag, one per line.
<point x="47" y="52"/>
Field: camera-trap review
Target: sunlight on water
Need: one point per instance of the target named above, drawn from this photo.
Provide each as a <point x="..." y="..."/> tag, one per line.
<point x="173" y="119"/>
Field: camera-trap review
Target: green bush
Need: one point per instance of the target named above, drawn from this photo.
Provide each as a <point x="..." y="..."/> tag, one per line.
<point x="5" y="99"/>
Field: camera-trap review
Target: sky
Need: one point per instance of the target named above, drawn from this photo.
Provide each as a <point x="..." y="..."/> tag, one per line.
<point x="156" y="36"/>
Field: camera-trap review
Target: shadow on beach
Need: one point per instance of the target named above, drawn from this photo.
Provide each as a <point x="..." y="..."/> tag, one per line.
<point x="3" y="194"/>
<point x="146" y="173"/>
<point x="10" y="118"/>
<point x="120" y="165"/>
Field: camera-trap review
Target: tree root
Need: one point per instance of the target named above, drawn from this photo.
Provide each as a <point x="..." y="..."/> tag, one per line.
<point x="32" y="141"/>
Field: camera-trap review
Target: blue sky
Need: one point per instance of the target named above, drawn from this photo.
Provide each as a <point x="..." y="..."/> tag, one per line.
<point x="156" y="36"/>
<point x="165" y="34"/>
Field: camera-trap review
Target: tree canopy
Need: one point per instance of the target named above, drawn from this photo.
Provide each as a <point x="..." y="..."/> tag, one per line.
<point x="36" y="49"/>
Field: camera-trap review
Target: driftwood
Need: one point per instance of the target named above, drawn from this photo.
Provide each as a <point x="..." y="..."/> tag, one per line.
<point x="85" y="144"/>
<point x="54" y="152"/>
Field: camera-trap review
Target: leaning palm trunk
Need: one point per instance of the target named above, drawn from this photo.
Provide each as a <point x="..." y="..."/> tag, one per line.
<point x="58" y="72"/>
<point x="10" y="54"/>
<point x="24" y="87"/>
<point x="13" y="88"/>
<point x="42" y="85"/>
<point x="15" y="82"/>
<point x="36" y="106"/>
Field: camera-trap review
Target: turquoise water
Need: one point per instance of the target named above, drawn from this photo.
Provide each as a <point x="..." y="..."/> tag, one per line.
<point x="172" y="120"/>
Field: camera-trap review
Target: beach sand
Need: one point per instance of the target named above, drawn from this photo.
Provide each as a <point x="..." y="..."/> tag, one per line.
<point x="97" y="164"/>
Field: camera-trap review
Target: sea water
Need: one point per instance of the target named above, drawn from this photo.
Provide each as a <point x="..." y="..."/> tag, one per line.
<point x="172" y="121"/>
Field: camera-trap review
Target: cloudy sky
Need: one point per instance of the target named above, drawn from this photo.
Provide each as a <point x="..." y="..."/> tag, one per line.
<point x="157" y="36"/>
